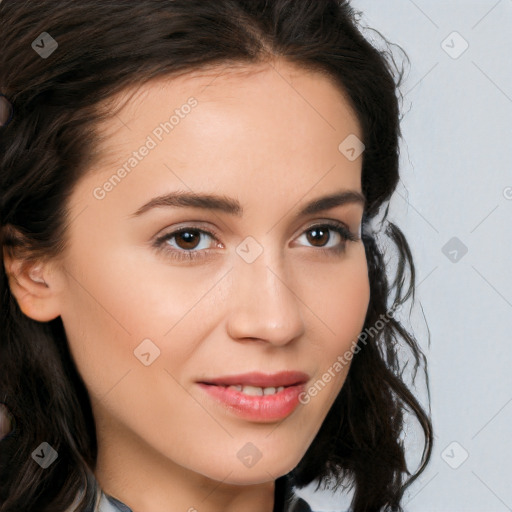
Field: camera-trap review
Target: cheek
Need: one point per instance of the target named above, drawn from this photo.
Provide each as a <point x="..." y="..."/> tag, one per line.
<point x="341" y="305"/>
<point x="100" y="312"/>
<point x="124" y="299"/>
<point x="340" y="300"/>
<point x="100" y="345"/>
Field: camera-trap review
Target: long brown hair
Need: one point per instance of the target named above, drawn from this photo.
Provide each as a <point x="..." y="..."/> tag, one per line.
<point x="104" y="47"/>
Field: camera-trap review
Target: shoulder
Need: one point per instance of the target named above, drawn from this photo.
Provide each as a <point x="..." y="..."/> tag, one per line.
<point x="102" y="503"/>
<point x="287" y="501"/>
<point x="108" y="503"/>
<point x="111" y="504"/>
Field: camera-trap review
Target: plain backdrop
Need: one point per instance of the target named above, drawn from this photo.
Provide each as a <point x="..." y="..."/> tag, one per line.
<point x="454" y="204"/>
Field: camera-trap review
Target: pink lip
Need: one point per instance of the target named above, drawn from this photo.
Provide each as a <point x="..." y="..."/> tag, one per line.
<point x="264" y="408"/>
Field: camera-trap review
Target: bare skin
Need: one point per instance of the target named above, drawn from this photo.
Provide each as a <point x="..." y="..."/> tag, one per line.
<point x="266" y="136"/>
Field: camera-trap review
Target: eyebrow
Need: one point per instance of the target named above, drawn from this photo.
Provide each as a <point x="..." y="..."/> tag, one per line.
<point x="233" y="207"/>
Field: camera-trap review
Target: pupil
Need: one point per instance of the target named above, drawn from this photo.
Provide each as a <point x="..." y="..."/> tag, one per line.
<point x="188" y="239"/>
<point x="315" y="232"/>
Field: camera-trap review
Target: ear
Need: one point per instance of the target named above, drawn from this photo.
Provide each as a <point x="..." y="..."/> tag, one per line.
<point x="32" y="285"/>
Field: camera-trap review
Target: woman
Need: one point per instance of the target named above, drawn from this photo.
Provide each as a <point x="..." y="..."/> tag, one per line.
<point x="196" y="313"/>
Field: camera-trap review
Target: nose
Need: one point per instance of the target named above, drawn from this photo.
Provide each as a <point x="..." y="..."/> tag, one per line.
<point x="265" y="306"/>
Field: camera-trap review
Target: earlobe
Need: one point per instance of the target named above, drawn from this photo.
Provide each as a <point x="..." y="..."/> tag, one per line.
<point x="32" y="289"/>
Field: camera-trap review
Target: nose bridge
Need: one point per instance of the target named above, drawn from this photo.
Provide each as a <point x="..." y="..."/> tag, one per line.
<point x="265" y="306"/>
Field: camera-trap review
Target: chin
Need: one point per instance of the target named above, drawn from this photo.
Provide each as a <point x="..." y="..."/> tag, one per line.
<point x="261" y="472"/>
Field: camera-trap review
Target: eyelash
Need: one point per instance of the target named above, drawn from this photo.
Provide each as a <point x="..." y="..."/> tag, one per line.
<point x="182" y="254"/>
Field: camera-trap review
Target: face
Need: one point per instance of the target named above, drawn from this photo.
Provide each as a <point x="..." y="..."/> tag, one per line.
<point x="167" y="301"/>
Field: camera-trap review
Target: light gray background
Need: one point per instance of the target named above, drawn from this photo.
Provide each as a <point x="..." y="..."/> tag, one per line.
<point x="456" y="181"/>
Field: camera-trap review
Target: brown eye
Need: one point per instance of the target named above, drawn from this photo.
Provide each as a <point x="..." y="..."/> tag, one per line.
<point x="330" y="237"/>
<point x="318" y="235"/>
<point x="187" y="243"/>
<point x="188" y="239"/>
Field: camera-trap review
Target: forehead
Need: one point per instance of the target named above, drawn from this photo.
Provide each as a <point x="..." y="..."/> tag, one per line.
<point x="275" y="97"/>
<point x="271" y="130"/>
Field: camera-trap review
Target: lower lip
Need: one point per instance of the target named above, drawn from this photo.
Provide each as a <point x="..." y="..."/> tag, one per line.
<point x="257" y="408"/>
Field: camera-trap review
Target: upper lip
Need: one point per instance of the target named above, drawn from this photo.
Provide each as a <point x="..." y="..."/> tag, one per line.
<point x="258" y="379"/>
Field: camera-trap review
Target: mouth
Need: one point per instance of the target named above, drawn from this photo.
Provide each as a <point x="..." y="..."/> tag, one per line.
<point x="257" y="396"/>
<point x="253" y="390"/>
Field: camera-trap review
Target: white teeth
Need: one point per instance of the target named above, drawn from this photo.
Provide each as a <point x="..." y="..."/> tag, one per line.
<point x="256" y="391"/>
<point x="252" y="391"/>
